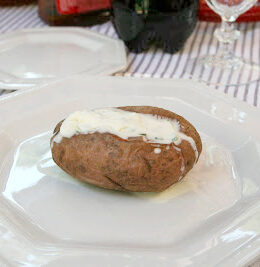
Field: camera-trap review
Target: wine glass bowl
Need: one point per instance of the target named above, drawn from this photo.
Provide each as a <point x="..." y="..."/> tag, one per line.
<point x="230" y="9"/>
<point x="224" y="59"/>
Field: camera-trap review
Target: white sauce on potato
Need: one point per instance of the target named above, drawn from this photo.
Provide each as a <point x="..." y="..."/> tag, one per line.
<point x="124" y="124"/>
<point x="157" y="150"/>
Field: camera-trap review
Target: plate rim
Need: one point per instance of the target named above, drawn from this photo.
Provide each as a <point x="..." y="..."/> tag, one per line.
<point x="196" y="85"/>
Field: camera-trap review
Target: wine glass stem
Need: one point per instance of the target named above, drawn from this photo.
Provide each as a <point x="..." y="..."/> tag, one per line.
<point x="226" y="35"/>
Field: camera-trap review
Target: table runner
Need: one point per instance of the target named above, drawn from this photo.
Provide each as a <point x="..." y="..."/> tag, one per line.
<point x="154" y="63"/>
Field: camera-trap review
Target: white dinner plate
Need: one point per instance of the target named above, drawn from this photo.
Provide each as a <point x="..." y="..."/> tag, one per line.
<point x="33" y="57"/>
<point x="210" y="218"/>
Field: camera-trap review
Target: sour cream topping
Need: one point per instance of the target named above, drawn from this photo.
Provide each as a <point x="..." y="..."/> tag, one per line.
<point x="124" y="124"/>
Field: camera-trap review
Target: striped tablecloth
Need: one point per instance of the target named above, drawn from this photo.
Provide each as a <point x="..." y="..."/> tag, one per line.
<point x="157" y="64"/>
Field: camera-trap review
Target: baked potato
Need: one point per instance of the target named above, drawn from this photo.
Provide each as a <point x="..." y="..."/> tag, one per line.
<point x="135" y="164"/>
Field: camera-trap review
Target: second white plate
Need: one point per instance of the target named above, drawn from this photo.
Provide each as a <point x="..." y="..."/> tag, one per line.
<point x="37" y="56"/>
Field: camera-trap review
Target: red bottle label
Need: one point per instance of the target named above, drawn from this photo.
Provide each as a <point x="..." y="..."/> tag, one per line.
<point x="67" y="7"/>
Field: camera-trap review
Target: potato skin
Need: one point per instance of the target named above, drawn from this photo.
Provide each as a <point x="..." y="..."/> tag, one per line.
<point x="110" y="162"/>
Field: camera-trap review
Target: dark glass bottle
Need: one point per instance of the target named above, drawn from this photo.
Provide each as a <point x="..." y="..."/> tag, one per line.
<point x="168" y="23"/>
<point x="16" y="2"/>
<point x="81" y="13"/>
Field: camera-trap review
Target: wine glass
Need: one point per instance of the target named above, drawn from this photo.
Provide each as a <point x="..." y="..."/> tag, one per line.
<point x="225" y="60"/>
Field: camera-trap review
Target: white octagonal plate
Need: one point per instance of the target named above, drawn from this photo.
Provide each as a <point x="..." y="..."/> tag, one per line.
<point x="211" y="218"/>
<point x="33" y="57"/>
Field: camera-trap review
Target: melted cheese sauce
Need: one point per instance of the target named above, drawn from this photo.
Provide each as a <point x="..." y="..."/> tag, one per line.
<point x="125" y="125"/>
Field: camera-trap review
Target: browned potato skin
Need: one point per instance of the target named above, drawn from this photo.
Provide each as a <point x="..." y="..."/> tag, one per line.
<point x="110" y="162"/>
